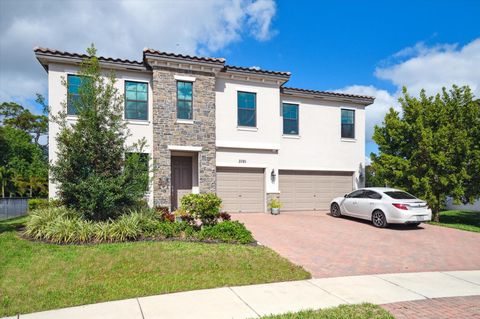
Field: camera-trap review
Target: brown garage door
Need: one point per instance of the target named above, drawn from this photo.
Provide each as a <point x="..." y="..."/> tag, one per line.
<point x="312" y="190"/>
<point x="241" y="189"/>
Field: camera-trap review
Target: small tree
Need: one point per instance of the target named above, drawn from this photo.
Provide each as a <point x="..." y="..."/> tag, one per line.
<point x="93" y="173"/>
<point x="432" y="149"/>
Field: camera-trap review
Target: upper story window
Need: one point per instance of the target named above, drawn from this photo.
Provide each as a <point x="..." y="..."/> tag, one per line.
<point x="73" y="85"/>
<point x="348" y="123"/>
<point x="184" y="100"/>
<point x="290" y="119"/>
<point x="136" y="100"/>
<point x="247" y="109"/>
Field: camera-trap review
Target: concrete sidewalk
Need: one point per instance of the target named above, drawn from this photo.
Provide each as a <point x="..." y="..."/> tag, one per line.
<point x="276" y="298"/>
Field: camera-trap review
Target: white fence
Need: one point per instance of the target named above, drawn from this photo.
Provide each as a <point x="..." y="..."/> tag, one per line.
<point x="13" y="207"/>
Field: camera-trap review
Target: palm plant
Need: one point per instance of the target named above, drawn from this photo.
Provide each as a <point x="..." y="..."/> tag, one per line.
<point x="4" y="174"/>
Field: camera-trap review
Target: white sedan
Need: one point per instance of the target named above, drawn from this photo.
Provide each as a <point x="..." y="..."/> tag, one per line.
<point x="382" y="206"/>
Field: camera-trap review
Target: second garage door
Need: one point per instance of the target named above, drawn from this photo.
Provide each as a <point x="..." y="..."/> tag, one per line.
<point x="241" y="189"/>
<point x="312" y="190"/>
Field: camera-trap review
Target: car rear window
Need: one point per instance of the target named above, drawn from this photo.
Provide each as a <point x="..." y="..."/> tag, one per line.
<point x="400" y="195"/>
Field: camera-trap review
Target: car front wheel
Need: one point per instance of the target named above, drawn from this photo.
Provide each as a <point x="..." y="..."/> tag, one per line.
<point x="378" y="219"/>
<point x="335" y="210"/>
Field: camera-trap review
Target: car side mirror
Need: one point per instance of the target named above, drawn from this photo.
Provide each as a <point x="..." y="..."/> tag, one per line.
<point x="346" y="195"/>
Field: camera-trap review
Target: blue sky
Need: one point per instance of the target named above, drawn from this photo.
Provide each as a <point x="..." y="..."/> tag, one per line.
<point x="332" y="44"/>
<point x="363" y="47"/>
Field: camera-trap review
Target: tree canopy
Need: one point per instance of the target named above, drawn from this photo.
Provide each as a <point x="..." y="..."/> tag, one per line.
<point x="94" y="174"/>
<point x="432" y="148"/>
<point x="23" y="160"/>
<point x="18" y="117"/>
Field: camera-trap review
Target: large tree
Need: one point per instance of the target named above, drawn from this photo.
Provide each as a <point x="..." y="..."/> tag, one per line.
<point x="432" y="147"/>
<point x="23" y="165"/>
<point x="93" y="173"/>
<point x="17" y="116"/>
<point x="23" y="156"/>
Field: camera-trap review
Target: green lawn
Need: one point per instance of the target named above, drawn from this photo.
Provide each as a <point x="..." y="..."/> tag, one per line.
<point x="363" y="311"/>
<point x="464" y="220"/>
<point x="36" y="276"/>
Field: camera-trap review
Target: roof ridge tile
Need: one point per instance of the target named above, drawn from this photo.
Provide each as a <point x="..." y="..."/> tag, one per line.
<point x="257" y="70"/>
<point x="183" y="56"/>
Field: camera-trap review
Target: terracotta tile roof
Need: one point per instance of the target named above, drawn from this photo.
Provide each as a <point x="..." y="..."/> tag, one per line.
<point x="337" y="94"/>
<point x="182" y="56"/>
<point x="83" y="56"/>
<point x="256" y="70"/>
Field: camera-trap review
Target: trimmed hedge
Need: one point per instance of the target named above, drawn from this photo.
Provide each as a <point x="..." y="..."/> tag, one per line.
<point x="64" y="226"/>
<point x="227" y="231"/>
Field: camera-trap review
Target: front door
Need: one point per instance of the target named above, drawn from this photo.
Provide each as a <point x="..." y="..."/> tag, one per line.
<point x="181" y="178"/>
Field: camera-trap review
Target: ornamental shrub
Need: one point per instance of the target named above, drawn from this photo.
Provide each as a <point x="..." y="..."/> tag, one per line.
<point x="227" y="231"/>
<point x="225" y="216"/>
<point x="64" y="226"/>
<point x="41" y="220"/>
<point x="127" y="227"/>
<point x="205" y="207"/>
<point x="36" y="203"/>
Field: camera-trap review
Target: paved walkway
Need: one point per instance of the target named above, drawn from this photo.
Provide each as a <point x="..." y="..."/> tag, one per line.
<point x="440" y="308"/>
<point x="333" y="247"/>
<point x="276" y="298"/>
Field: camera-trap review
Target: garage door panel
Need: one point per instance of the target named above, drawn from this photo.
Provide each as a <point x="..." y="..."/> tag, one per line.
<point x="241" y="189"/>
<point x="312" y="190"/>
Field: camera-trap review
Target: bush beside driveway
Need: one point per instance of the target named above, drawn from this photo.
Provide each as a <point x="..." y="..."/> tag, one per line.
<point x="330" y="247"/>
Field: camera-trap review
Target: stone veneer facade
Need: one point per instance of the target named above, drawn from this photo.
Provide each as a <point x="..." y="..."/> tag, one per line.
<point x="166" y="130"/>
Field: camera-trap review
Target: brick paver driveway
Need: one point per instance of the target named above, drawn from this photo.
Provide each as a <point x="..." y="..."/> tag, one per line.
<point x="440" y="308"/>
<point x="330" y="247"/>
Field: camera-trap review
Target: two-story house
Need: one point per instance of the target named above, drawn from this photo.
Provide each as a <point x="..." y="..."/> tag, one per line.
<point x="239" y="132"/>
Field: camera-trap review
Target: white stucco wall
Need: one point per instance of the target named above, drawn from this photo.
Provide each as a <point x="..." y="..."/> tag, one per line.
<point x="247" y="147"/>
<point x="268" y="102"/>
<point x="319" y="145"/>
<point x="57" y="93"/>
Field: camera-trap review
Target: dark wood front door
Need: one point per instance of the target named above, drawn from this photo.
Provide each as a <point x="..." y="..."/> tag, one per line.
<point x="181" y="178"/>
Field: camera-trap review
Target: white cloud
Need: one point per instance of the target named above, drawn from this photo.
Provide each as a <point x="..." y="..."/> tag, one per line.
<point x="260" y="14"/>
<point x="420" y="67"/>
<point x="433" y="67"/>
<point x="119" y="29"/>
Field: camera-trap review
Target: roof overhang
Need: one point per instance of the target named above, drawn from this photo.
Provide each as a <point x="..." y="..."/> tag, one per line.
<point x="328" y="96"/>
<point x="48" y="56"/>
<point x="155" y="58"/>
<point x="256" y="75"/>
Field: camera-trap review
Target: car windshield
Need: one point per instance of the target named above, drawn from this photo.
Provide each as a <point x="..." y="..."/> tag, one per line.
<point x="400" y="195"/>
